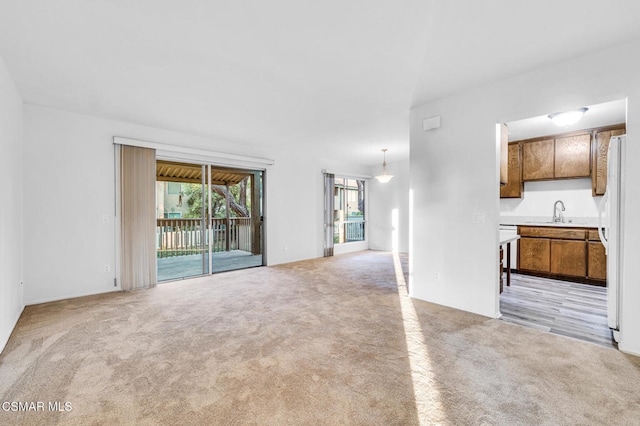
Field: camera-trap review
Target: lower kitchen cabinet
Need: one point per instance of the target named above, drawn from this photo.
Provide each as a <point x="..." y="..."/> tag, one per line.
<point x="597" y="260"/>
<point x="569" y="258"/>
<point x="562" y="252"/>
<point x="534" y="254"/>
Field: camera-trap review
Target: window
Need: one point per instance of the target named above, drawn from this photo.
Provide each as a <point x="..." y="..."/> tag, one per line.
<point x="349" y="215"/>
<point x="174" y="188"/>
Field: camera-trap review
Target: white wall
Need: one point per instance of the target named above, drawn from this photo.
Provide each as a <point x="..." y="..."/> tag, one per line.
<point x="384" y="198"/>
<point x="11" y="253"/>
<point x="539" y="197"/>
<point x="454" y="175"/>
<point x="69" y="187"/>
<point x="455" y="207"/>
<point x="295" y="203"/>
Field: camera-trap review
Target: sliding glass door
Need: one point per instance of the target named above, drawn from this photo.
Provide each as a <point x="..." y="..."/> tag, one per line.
<point x="209" y="219"/>
<point x="181" y="216"/>
<point x="236" y="200"/>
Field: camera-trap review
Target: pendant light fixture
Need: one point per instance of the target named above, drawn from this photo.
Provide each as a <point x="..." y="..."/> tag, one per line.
<point x="384" y="177"/>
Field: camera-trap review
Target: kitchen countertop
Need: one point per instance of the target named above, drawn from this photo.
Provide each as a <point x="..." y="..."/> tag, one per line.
<point x="504" y="239"/>
<point x="569" y="222"/>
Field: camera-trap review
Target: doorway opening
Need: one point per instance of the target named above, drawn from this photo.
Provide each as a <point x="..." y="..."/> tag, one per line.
<point x="563" y="281"/>
<point x="208" y="219"/>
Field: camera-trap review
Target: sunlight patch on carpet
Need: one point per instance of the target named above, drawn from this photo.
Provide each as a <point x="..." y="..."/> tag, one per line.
<point x="427" y="398"/>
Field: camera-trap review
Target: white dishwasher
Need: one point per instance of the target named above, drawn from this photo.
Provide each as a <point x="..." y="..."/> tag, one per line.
<point x="507" y="231"/>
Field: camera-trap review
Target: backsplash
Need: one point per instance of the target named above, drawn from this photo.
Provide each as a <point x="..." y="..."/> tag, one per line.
<point x="539" y="197"/>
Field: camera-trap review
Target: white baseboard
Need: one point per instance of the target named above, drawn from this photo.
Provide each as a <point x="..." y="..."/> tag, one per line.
<point x="5" y="339"/>
<point x="630" y="351"/>
<point x="69" y="296"/>
<point x="350" y="247"/>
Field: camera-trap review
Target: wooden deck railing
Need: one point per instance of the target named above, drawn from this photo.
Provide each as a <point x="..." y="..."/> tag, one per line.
<point x="348" y="231"/>
<point x="354" y="230"/>
<point x="179" y="237"/>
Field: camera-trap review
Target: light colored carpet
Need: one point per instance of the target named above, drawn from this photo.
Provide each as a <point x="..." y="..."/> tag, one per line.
<point x="325" y="341"/>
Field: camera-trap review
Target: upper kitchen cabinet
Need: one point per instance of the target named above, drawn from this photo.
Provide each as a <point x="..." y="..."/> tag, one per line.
<point x="557" y="157"/>
<point x="580" y="154"/>
<point x="573" y="156"/>
<point x="538" y="159"/>
<point x="515" y="186"/>
<point x="599" y="157"/>
<point x="504" y="156"/>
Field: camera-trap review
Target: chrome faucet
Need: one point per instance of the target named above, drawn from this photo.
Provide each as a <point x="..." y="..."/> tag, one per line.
<point x="557" y="215"/>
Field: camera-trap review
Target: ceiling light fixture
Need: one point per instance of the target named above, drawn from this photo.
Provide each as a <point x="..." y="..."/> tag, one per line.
<point x="568" y="118"/>
<point x="384" y="177"/>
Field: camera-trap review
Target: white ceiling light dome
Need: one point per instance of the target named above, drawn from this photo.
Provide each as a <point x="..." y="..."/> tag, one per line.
<point x="564" y="119"/>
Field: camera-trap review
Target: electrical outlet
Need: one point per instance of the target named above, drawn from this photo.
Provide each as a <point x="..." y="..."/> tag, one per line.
<point x="107" y="268"/>
<point x="437" y="275"/>
<point x="105" y="218"/>
<point x="478" y="218"/>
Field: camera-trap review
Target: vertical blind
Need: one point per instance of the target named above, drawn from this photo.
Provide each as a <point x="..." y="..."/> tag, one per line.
<point x="138" y="217"/>
<point x="329" y="181"/>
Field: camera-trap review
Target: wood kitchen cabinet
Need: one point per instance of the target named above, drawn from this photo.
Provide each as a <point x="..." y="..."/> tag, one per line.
<point x="573" y="156"/>
<point x="537" y="160"/>
<point x="515" y="186"/>
<point x="569" y="155"/>
<point x="504" y="154"/>
<point x="534" y="254"/>
<point x="597" y="260"/>
<point x="599" y="157"/>
<point x="557" y="157"/>
<point x="562" y="252"/>
<point x="569" y="258"/>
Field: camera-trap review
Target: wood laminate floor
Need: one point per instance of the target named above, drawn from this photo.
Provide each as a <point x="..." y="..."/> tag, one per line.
<point x="569" y="309"/>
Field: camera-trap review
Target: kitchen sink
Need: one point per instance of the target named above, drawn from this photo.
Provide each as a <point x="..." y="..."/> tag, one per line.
<point x="550" y="222"/>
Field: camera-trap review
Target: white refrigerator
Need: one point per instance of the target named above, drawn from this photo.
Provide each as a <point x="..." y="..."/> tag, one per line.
<point x="610" y="229"/>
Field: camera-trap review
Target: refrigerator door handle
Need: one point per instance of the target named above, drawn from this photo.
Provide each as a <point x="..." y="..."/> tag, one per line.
<point x="601" y="227"/>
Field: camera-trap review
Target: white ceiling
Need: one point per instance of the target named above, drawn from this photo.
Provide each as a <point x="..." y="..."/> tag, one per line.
<point x="338" y="74"/>
<point x="599" y="115"/>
